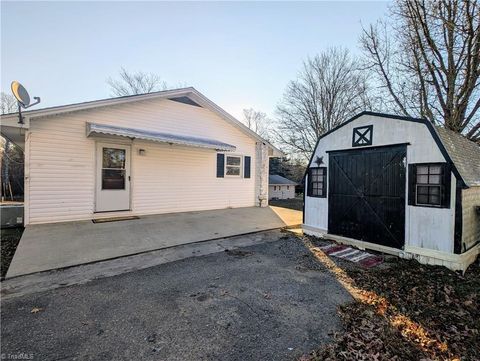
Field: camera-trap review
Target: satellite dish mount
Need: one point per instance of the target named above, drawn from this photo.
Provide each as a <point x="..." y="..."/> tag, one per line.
<point x="23" y="99"/>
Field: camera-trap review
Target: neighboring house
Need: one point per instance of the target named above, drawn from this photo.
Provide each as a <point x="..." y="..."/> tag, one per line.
<point x="397" y="185"/>
<point x="168" y="151"/>
<point x="280" y="187"/>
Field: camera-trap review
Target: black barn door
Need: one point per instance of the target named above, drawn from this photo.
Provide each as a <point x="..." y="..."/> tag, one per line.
<point x="366" y="199"/>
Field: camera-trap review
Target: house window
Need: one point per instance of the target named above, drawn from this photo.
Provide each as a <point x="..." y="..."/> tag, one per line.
<point x="233" y="166"/>
<point x="317" y="182"/>
<point x="274" y="188"/>
<point x="430" y="184"/>
<point x="288" y="188"/>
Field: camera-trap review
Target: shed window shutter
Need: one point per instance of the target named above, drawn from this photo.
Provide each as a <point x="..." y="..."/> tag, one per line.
<point x="308" y="183"/>
<point x="247" y="166"/>
<point x="412" y="180"/>
<point x="220" y="165"/>
<point x="446" y="181"/>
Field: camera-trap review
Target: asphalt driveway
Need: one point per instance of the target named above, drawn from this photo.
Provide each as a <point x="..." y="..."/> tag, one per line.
<point x="271" y="301"/>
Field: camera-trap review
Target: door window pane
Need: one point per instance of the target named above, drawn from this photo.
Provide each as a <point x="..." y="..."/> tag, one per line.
<point x="113" y="158"/>
<point x="113" y="179"/>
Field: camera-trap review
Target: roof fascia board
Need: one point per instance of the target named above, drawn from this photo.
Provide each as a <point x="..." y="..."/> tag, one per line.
<point x="61" y="109"/>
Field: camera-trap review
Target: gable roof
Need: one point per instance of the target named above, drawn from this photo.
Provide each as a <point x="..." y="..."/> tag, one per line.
<point x="180" y="95"/>
<point x="275" y="179"/>
<point x="461" y="153"/>
<point x="465" y="155"/>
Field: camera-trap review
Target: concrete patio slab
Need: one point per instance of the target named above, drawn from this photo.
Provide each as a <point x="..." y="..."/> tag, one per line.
<point x="59" y="245"/>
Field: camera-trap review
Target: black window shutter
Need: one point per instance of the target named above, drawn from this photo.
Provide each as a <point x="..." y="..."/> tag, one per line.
<point x="447" y="182"/>
<point x="309" y="183"/>
<point x="412" y="180"/>
<point x="246" y="171"/>
<point x="324" y="193"/>
<point x="220" y="165"/>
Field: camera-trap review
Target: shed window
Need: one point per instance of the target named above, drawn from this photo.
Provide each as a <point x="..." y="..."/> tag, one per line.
<point x="430" y="184"/>
<point x="317" y="182"/>
<point x="233" y="166"/>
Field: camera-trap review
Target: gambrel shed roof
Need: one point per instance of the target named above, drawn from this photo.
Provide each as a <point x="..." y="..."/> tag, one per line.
<point x="461" y="152"/>
<point x="465" y="155"/>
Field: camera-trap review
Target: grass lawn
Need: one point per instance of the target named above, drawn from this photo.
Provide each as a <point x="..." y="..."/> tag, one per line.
<point x="9" y="242"/>
<point x="404" y="311"/>
<point x="294" y="203"/>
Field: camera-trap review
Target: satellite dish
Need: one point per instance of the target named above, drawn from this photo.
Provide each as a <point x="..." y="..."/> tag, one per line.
<point x="20" y="93"/>
<point x="23" y="99"/>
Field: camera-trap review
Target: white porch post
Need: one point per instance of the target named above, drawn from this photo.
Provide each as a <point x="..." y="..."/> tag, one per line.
<point x="261" y="175"/>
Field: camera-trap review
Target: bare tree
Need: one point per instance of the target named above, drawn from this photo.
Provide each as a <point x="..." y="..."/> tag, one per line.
<point x="8" y="103"/>
<point x="11" y="156"/>
<point x="428" y="61"/>
<point x="257" y="121"/>
<point x="135" y="83"/>
<point x="329" y="89"/>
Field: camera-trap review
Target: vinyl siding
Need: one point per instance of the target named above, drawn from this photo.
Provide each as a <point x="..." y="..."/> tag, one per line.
<point x="168" y="178"/>
<point x="470" y="217"/>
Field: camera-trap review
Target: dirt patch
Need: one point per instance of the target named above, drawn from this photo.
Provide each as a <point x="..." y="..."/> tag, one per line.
<point x="9" y="242"/>
<point x="407" y="311"/>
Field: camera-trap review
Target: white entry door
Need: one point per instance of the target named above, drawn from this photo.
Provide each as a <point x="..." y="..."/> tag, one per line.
<point x="113" y="178"/>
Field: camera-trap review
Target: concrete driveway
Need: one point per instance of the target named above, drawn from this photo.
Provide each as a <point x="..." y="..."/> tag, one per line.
<point x="271" y="301"/>
<point x="59" y="245"/>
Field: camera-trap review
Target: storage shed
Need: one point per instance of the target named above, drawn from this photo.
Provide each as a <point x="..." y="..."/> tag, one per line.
<point x="280" y="187"/>
<point x="398" y="185"/>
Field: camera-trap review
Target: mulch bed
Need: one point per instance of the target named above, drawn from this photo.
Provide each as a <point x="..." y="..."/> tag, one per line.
<point x="9" y="242"/>
<point x="406" y="311"/>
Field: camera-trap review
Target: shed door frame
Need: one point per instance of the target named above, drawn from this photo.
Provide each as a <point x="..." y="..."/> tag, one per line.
<point x="362" y="196"/>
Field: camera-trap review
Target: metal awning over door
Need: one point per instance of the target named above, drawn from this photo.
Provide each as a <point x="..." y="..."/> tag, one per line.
<point x="366" y="199"/>
<point x="170" y="138"/>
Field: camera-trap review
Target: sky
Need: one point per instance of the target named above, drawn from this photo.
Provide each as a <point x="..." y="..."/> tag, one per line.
<point x="238" y="54"/>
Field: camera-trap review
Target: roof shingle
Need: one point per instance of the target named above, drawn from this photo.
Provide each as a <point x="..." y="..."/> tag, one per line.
<point x="465" y="155"/>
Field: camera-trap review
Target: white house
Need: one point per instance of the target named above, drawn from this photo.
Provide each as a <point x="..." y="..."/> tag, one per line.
<point x="280" y="187"/>
<point x="169" y="151"/>
<point x="397" y="185"/>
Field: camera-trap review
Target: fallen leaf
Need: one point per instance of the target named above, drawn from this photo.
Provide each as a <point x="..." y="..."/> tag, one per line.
<point x="36" y="310"/>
